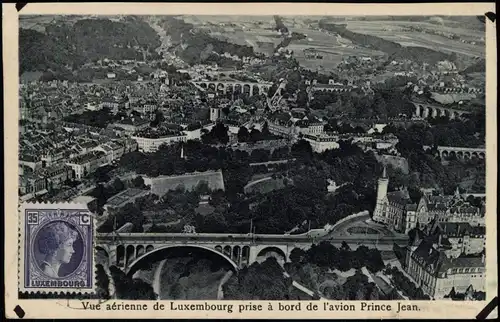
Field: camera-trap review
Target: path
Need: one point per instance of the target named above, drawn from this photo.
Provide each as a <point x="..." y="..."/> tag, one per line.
<point x="220" y="292"/>
<point x="255" y="182"/>
<point x="302" y="287"/>
<point x="157" y="279"/>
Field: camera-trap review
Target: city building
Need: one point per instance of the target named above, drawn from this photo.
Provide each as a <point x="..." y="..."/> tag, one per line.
<point x="437" y="274"/>
<point x="396" y="210"/>
<point x="459" y="238"/>
<point x="132" y="125"/>
<point x="322" y="142"/>
<point x="215" y="113"/>
<point x="55" y="175"/>
<point x="150" y="140"/>
<point x="113" y="150"/>
<point x="87" y="163"/>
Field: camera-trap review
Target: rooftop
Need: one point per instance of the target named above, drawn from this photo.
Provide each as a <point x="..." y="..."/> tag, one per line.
<point x="87" y="157"/>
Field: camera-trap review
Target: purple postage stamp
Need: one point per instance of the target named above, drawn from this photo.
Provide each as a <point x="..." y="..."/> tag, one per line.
<point x="56" y="248"/>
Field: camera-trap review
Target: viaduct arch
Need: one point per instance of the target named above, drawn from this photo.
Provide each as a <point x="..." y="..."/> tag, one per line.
<point x="447" y="152"/>
<point x="423" y="110"/>
<point x="249" y="88"/>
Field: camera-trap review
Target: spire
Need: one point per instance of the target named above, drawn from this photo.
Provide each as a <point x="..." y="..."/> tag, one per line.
<point x="384" y="173"/>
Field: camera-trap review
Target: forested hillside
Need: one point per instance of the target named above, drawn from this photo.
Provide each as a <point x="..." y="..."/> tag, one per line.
<point x="68" y="46"/>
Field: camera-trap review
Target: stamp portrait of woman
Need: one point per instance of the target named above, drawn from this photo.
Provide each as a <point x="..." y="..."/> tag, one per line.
<point x="56" y="247"/>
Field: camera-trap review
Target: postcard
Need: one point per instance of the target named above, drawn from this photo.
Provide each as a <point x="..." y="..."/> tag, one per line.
<point x="250" y="160"/>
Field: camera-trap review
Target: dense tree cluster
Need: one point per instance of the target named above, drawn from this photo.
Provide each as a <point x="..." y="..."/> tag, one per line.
<point x="303" y="202"/>
<point x="86" y="40"/>
<point x="426" y="168"/>
<point x="217" y="135"/>
<point x="100" y="118"/>
<point x="128" y="288"/>
<point x="102" y="192"/>
<point x="383" y="104"/>
<point x="327" y="255"/>
<point x="259" y="281"/>
<point x="310" y="268"/>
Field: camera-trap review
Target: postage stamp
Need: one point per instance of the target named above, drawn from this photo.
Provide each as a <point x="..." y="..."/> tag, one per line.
<point x="56" y="248"/>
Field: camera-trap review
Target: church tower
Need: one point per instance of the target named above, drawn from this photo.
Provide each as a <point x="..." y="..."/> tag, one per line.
<point x="383" y="183"/>
<point x="381" y="205"/>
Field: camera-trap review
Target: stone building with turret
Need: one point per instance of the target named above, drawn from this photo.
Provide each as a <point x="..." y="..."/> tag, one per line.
<point x="399" y="213"/>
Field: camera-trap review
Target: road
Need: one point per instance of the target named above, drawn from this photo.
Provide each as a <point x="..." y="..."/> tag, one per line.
<point x="244" y="238"/>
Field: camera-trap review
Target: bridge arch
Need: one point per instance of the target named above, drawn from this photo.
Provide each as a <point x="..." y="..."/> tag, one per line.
<point x="247" y="89"/>
<point x="133" y="267"/>
<point x="272" y="249"/>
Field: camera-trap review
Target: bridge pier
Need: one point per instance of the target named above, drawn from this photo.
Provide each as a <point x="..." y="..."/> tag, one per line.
<point x="426" y="112"/>
<point x="417" y="110"/>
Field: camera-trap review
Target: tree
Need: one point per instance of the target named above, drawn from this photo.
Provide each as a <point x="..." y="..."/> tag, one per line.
<point x="248" y="284"/>
<point x="302" y="150"/>
<point x="345" y="246"/>
<point x="138" y="182"/>
<point x="130" y="213"/>
<point x="102" y="283"/>
<point x="131" y="289"/>
<point x="255" y="135"/>
<point x="243" y="134"/>
<point x="158" y="119"/>
<point x="118" y="185"/>
<point x="101" y="175"/>
<point x="297" y="255"/>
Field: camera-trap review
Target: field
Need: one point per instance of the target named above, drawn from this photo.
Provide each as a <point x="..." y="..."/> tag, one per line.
<point x="255" y="31"/>
<point x="393" y="31"/>
<point x="258" y="32"/>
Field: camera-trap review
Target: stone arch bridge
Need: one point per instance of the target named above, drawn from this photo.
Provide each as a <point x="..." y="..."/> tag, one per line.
<point x="128" y="250"/>
<point x="446" y="152"/>
<point x="423" y="110"/>
<point x="250" y="88"/>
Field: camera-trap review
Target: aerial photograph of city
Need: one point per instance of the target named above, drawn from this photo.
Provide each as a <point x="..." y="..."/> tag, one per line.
<point x="260" y="157"/>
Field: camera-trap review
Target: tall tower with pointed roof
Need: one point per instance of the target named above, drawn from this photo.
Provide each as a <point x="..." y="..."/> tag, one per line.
<point x="182" y="151"/>
<point x="383" y="183"/>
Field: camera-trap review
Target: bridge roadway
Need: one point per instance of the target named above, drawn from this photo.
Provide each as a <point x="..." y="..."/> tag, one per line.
<point x="240" y="238"/>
